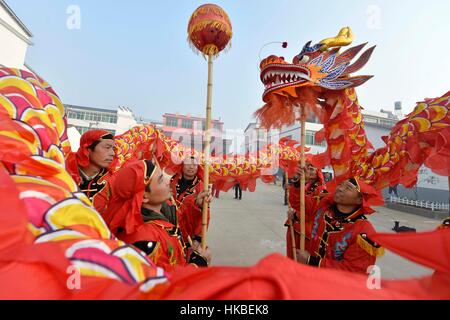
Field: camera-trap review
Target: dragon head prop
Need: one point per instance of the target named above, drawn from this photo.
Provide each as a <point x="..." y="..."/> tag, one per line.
<point x="314" y="75"/>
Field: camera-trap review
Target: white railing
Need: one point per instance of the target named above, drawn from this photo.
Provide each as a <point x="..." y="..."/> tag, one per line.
<point x="434" y="206"/>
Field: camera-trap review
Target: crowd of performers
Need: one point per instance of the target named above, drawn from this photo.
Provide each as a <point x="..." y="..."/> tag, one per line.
<point x="162" y="215"/>
<point x="141" y="204"/>
<point x="135" y="232"/>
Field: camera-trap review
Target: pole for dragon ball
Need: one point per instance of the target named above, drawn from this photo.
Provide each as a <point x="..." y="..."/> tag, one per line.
<point x="207" y="149"/>
<point x="302" y="179"/>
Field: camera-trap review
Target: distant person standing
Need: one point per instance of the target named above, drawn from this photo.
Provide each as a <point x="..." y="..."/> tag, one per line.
<point x="284" y="185"/>
<point x="393" y="190"/>
<point x="237" y="191"/>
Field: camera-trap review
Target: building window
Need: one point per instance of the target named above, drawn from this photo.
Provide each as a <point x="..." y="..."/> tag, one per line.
<point x="72" y="114"/>
<point x="370" y="119"/>
<point x="217" y="125"/>
<point x="97" y="117"/>
<point x="171" y="122"/>
<point x="203" y="125"/>
<point x="187" y="124"/>
<point x="261" y="134"/>
<point x="311" y="139"/>
<point x="79" y="115"/>
<point x="387" y="122"/>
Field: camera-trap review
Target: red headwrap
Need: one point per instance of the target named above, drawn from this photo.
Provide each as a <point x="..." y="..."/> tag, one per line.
<point x="178" y="169"/>
<point x="124" y="208"/>
<point x="86" y="140"/>
<point x="320" y="178"/>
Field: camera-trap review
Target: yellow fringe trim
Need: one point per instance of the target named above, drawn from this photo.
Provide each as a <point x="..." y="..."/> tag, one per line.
<point x="205" y="10"/>
<point x="209" y="48"/>
<point x="210" y="23"/>
<point x="370" y="249"/>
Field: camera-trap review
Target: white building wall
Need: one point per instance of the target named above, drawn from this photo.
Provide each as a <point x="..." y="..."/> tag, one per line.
<point x="93" y="124"/>
<point x="13" y="46"/>
<point x="74" y="138"/>
<point x="374" y="134"/>
<point x="428" y="179"/>
<point x="125" y="120"/>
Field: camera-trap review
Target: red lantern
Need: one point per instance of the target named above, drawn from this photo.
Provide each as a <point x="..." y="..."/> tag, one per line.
<point x="209" y="29"/>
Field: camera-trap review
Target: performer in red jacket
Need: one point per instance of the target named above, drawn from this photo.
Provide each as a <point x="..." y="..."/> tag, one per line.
<point x="139" y="214"/>
<point x="89" y="165"/>
<point x="187" y="190"/>
<point x="314" y="191"/>
<point x="339" y="232"/>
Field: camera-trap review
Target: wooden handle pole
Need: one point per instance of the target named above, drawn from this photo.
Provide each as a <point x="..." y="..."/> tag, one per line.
<point x="291" y="223"/>
<point x="207" y="149"/>
<point x="302" y="180"/>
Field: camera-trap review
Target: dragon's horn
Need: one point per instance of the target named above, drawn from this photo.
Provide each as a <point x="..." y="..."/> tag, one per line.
<point x="344" y="38"/>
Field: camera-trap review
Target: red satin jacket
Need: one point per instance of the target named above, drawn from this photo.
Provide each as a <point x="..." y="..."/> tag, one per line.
<point x="161" y="242"/>
<point x="313" y="194"/>
<point x="189" y="215"/>
<point x="341" y="241"/>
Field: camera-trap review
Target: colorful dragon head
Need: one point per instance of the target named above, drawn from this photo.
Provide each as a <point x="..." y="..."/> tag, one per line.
<point x="314" y="74"/>
<point x="319" y="81"/>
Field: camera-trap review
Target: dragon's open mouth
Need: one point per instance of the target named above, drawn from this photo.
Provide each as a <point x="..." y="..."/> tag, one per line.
<point x="277" y="76"/>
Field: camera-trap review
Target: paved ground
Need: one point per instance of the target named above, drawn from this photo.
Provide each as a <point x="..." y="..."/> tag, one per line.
<point x="243" y="231"/>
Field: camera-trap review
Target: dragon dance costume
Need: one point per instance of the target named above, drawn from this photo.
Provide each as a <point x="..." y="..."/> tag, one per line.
<point x="332" y="238"/>
<point x="340" y="240"/>
<point x="155" y="233"/>
<point x="314" y="191"/>
<point x="47" y="226"/>
<point x="96" y="188"/>
<point x="190" y="215"/>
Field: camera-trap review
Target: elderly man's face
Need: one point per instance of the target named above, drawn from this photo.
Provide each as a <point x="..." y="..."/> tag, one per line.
<point x="310" y="172"/>
<point x="347" y="194"/>
<point x="190" y="169"/>
<point x="103" y="154"/>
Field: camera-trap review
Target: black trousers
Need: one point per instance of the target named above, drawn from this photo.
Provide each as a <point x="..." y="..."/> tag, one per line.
<point x="237" y="189"/>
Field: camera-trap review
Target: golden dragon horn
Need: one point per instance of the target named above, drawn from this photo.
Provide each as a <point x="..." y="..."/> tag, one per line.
<point x="344" y="38"/>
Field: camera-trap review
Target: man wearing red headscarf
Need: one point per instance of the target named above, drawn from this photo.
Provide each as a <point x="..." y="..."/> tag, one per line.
<point x="339" y="233"/>
<point x="138" y="213"/>
<point x="187" y="189"/>
<point x="314" y="191"/>
<point x="89" y="165"/>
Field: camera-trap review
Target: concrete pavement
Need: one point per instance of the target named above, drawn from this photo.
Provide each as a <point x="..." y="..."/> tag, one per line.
<point x="243" y="231"/>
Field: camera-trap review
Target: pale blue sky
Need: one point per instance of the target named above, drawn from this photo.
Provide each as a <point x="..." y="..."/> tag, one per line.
<point x="135" y="53"/>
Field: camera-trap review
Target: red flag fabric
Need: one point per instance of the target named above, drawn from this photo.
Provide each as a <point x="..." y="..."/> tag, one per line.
<point x="277" y="277"/>
<point x="431" y="249"/>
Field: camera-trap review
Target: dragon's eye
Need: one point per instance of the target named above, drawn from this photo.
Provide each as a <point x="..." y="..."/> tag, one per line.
<point x="303" y="59"/>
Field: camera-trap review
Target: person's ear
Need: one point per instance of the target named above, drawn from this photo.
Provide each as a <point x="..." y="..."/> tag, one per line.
<point x="360" y="199"/>
<point x="146" y="199"/>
